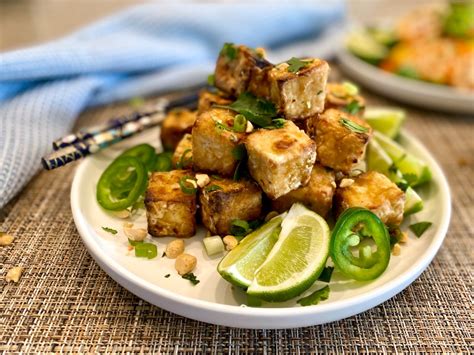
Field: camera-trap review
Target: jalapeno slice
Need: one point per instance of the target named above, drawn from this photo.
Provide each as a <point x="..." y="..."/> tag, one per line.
<point x="116" y="198"/>
<point x="144" y="152"/>
<point x="354" y="228"/>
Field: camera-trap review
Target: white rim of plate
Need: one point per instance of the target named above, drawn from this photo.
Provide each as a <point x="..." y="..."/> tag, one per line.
<point x="380" y="293"/>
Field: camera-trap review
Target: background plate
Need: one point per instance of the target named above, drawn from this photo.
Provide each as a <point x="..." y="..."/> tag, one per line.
<point x="419" y="93"/>
<point x="214" y="300"/>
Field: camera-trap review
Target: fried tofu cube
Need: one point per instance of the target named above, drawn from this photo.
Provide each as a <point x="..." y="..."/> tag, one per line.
<point x="170" y="211"/>
<point x="374" y="191"/>
<point x="177" y="123"/>
<point x="341" y="139"/>
<point x="214" y="142"/>
<point x="207" y="99"/>
<point x="297" y="95"/>
<point x="316" y="195"/>
<point x="280" y="160"/>
<point x="235" y="67"/>
<point x="183" y="154"/>
<point x="344" y="97"/>
<point x="225" y="200"/>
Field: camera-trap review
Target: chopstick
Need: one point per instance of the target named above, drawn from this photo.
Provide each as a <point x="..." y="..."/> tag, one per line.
<point x="83" y="143"/>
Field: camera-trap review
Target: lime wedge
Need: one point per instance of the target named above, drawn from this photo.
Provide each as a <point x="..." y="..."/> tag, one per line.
<point x="363" y="45"/>
<point x="385" y="120"/>
<point x="413" y="202"/>
<point x="296" y="260"/>
<point x="410" y="166"/>
<point x="378" y="160"/>
<point x="239" y="265"/>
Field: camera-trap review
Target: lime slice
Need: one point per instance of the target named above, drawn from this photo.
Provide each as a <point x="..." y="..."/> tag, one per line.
<point x="296" y="260"/>
<point x="413" y="202"/>
<point x="411" y="167"/>
<point x="385" y="120"/>
<point x="239" y="265"/>
<point x="363" y="45"/>
<point x="378" y="160"/>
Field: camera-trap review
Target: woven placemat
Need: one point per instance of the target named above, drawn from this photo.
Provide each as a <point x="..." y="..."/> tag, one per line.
<point x="65" y="302"/>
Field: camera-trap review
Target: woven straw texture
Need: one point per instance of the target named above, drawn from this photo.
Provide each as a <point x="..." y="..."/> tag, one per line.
<point x="65" y="303"/>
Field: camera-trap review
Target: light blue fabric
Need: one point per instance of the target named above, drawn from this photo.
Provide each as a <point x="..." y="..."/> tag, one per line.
<point x="44" y="88"/>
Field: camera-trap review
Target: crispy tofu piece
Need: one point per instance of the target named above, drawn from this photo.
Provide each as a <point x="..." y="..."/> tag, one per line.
<point x="207" y="99"/>
<point x="339" y="96"/>
<point x="280" y="160"/>
<point x="214" y="143"/>
<point x="316" y="195"/>
<point x="297" y="95"/>
<point x="374" y="191"/>
<point x="235" y="66"/>
<point x="340" y="147"/>
<point x="183" y="154"/>
<point x="170" y="211"/>
<point x="177" y="123"/>
<point x="232" y="200"/>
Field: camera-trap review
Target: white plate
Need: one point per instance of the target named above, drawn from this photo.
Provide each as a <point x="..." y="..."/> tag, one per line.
<point x="415" y="92"/>
<point x="214" y="300"/>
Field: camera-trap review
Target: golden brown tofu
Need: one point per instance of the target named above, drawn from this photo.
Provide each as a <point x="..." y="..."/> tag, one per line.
<point x="224" y="200"/>
<point x="344" y="97"/>
<point x="235" y="66"/>
<point x="341" y="139"/>
<point x="207" y="99"/>
<point x="280" y="160"/>
<point x="297" y="95"/>
<point x="170" y="211"/>
<point x="374" y="191"/>
<point x="177" y="123"/>
<point x="183" y="154"/>
<point x="316" y="195"/>
<point x="214" y="143"/>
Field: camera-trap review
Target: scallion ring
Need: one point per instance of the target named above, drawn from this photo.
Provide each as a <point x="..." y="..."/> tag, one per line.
<point x="188" y="185"/>
<point x="240" y="123"/>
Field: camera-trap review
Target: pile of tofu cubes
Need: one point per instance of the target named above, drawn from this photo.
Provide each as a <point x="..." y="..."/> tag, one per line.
<point x="313" y="159"/>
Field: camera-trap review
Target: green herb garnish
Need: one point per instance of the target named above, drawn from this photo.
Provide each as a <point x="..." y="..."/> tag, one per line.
<point x="239" y="152"/>
<point x="258" y="111"/>
<point x="211" y="80"/>
<point x="326" y="274"/>
<point x="191" y="277"/>
<point x="109" y="230"/>
<point x="186" y="185"/>
<point x="277" y="123"/>
<point x="420" y="228"/>
<point x="314" y="298"/>
<point x="229" y="50"/>
<point x="239" y="227"/>
<point x="216" y="177"/>
<point x="297" y="64"/>
<point x="167" y="275"/>
<point x="212" y="188"/>
<point x="353" y="107"/>
<point x="146" y="250"/>
<point x="185" y="161"/>
<point x="354" y="127"/>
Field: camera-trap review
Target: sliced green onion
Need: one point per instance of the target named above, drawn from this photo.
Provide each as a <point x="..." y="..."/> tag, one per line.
<point x="146" y="250"/>
<point x="351" y="88"/>
<point x="186" y="185"/>
<point x="213" y="245"/>
<point x="354" y="127"/>
<point x="240" y="123"/>
<point x="183" y="161"/>
<point x="239" y="227"/>
<point x="213" y="188"/>
<point x="163" y="162"/>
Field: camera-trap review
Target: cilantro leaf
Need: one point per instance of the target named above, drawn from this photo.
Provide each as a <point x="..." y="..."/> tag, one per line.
<point x="354" y="127"/>
<point x="314" y="298"/>
<point x="191" y="277"/>
<point x="277" y="123"/>
<point x="352" y="107"/>
<point x="419" y="228"/>
<point x="109" y="230"/>
<point x="326" y="274"/>
<point x="229" y="50"/>
<point x="297" y="64"/>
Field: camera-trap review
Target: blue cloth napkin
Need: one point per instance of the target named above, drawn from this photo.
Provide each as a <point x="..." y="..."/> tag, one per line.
<point x="44" y="88"/>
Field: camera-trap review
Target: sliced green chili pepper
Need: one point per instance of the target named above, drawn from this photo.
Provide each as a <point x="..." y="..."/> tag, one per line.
<point x="163" y="162"/>
<point x="112" y="198"/>
<point x="353" y="228"/>
<point x="144" y="152"/>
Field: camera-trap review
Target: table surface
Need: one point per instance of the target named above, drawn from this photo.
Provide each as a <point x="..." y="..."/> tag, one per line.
<point x="65" y="302"/>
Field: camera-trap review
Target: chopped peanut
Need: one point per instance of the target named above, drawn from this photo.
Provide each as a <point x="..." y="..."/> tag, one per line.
<point x="6" y="239"/>
<point x="185" y="263"/>
<point x="174" y="248"/>
<point x="14" y="274"/>
<point x="249" y="127"/>
<point x="346" y="182"/>
<point x="396" y="250"/>
<point x="403" y="237"/>
<point x="135" y="234"/>
<point x="202" y="179"/>
<point x="230" y="242"/>
<point x="121" y="214"/>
